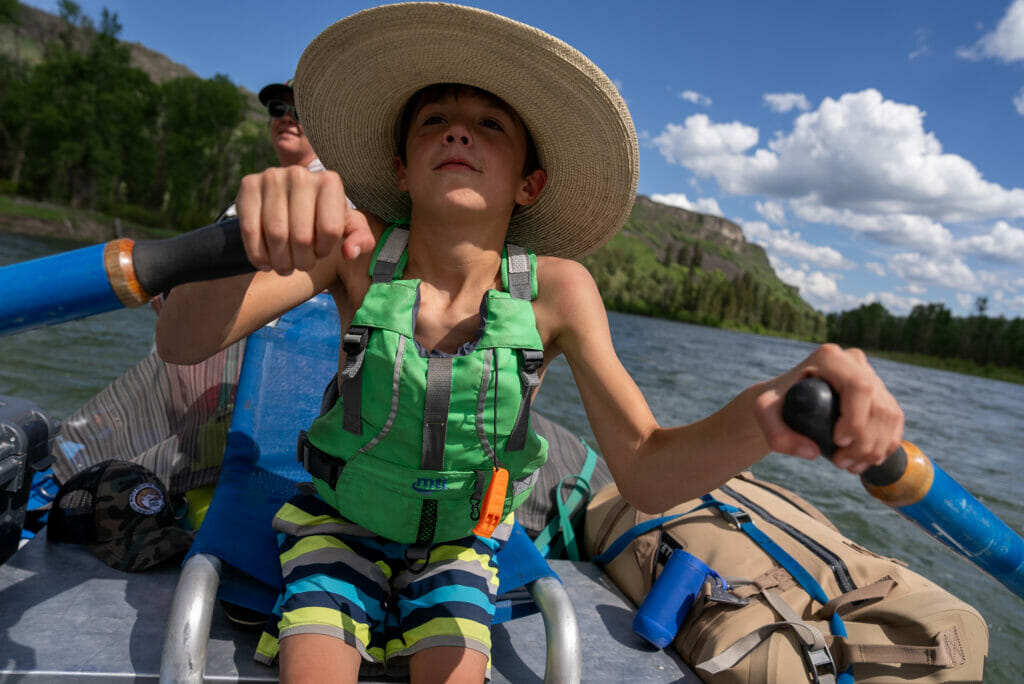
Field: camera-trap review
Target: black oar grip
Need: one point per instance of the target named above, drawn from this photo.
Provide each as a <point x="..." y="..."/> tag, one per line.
<point x="207" y="253"/>
<point x="811" y="407"/>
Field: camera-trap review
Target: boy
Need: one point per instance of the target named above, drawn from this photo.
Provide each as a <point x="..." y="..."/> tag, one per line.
<point x="479" y="131"/>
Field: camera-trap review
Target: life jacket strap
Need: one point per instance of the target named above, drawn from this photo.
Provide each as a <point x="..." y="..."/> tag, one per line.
<point x="519" y="279"/>
<point x="390" y="254"/>
<point x="354" y="344"/>
<point x="531" y="361"/>
<point x="435" y="412"/>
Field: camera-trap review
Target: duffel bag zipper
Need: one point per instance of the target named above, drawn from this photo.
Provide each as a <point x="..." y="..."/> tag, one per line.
<point x="834" y="562"/>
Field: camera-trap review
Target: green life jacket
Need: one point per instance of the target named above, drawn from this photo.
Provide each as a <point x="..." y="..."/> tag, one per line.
<point x="410" y="446"/>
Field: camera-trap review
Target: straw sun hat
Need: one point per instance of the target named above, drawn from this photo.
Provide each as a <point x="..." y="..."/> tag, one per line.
<point x="354" y="79"/>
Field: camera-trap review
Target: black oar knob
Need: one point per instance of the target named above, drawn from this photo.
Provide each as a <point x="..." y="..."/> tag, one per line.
<point x="811" y="407"/>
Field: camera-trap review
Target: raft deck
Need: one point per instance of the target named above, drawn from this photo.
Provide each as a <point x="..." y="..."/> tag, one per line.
<point x="66" y="616"/>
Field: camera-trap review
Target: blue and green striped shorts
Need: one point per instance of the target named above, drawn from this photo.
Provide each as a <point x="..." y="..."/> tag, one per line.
<point x="341" y="580"/>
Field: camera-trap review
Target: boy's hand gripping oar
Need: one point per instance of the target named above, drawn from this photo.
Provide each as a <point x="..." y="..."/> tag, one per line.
<point x="919" y="489"/>
<point x="120" y="273"/>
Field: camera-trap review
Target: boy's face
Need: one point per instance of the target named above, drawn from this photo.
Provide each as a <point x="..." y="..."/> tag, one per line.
<point x="466" y="148"/>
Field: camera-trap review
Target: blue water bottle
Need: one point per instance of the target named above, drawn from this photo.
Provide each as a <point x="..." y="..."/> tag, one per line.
<point x="663" y="611"/>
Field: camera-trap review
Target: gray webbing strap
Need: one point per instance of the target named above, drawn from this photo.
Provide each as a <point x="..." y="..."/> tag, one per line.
<point x="531" y="360"/>
<point x="354" y="344"/>
<point x="519" y="285"/>
<point x="389" y="255"/>
<point x="435" y="412"/>
<point x="815" y="650"/>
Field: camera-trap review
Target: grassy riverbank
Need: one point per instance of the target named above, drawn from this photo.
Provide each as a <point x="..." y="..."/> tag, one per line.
<point x="962" y="366"/>
<point x="27" y="217"/>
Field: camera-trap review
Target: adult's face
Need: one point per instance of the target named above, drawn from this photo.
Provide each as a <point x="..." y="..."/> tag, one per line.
<point x="288" y="138"/>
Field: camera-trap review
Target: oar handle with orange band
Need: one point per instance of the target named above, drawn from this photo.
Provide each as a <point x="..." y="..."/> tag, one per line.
<point x="919" y="489"/>
<point x="120" y="273"/>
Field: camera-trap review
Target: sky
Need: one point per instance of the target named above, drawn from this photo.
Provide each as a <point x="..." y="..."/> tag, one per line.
<point x="874" y="149"/>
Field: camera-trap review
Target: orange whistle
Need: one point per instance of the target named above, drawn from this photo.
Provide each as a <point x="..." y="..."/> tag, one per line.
<point x="494" y="504"/>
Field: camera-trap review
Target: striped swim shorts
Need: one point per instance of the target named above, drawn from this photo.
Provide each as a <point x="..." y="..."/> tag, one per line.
<point x="341" y="580"/>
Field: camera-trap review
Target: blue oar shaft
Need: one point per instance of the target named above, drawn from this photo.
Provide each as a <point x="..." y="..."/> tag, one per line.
<point x="121" y="273"/>
<point x="952" y="515"/>
<point x="63" y="287"/>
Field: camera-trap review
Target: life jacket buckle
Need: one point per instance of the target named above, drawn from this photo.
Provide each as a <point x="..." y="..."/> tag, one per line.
<point x="355" y="340"/>
<point x="533" y="359"/>
<point x="318" y="464"/>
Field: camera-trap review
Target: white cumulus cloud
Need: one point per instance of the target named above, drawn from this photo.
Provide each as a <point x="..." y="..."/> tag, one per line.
<point x="701" y="143"/>
<point x="1005" y="42"/>
<point x="948" y="272"/>
<point x="696" y="98"/>
<point x="784" y="243"/>
<point x="786" y="102"/>
<point x="1003" y="243"/>
<point x="704" y="205"/>
<point x="773" y="212"/>
<point x="1018" y="102"/>
<point x="897" y="304"/>
<point x="860" y="153"/>
<point x="909" y="230"/>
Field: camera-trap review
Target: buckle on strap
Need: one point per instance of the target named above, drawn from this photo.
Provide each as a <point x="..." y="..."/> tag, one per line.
<point x="822" y="665"/>
<point x="318" y="464"/>
<point x="354" y="344"/>
<point x="533" y="359"/>
<point x="737" y="517"/>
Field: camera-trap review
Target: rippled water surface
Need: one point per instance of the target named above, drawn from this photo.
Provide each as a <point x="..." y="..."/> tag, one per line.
<point x="970" y="426"/>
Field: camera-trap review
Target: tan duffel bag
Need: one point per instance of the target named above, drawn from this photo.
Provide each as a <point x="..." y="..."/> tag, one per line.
<point x="899" y="626"/>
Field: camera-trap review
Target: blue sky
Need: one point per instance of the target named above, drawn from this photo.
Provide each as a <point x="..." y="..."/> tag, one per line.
<point x="874" y="149"/>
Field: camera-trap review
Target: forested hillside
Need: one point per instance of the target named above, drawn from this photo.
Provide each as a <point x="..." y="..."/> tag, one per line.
<point x="82" y="124"/>
<point x="682" y="265"/>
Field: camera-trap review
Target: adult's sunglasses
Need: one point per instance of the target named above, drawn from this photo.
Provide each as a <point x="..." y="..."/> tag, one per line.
<point x="279" y="108"/>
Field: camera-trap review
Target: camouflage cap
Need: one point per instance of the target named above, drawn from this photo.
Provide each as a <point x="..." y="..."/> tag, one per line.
<point x="123" y="512"/>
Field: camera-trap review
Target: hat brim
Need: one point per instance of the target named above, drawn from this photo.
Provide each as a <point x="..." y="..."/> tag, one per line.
<point x="145" y="550"/>
<point x="354" y="79"/>
<point x="274" y="91"/>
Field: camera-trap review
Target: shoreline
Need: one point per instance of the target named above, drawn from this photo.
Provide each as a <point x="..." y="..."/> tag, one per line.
<point x="41" y="219"/>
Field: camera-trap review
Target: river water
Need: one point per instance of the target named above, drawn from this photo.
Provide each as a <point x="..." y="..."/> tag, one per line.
<point x="970" y="426"/>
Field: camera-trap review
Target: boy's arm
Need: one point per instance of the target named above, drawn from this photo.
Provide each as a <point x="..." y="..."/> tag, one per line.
<point x="297" y="230"/>
<point x="656" y="468"/>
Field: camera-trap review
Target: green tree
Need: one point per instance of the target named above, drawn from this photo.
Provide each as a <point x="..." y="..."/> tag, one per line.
<point x="200" y="116"/>
<point x="92" y="124"/>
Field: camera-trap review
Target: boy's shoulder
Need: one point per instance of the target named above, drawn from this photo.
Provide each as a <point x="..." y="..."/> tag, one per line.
<point x="563" y="284"/>
<point x="553" y="271"/>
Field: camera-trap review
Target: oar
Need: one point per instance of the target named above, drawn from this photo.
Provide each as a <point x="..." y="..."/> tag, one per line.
<point x="915" y="486"/>
<point x="120" y="273"/>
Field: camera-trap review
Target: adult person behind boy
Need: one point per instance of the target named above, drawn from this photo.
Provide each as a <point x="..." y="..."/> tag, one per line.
<point x="464" y="180"/>
<point x="286" y="135"/>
